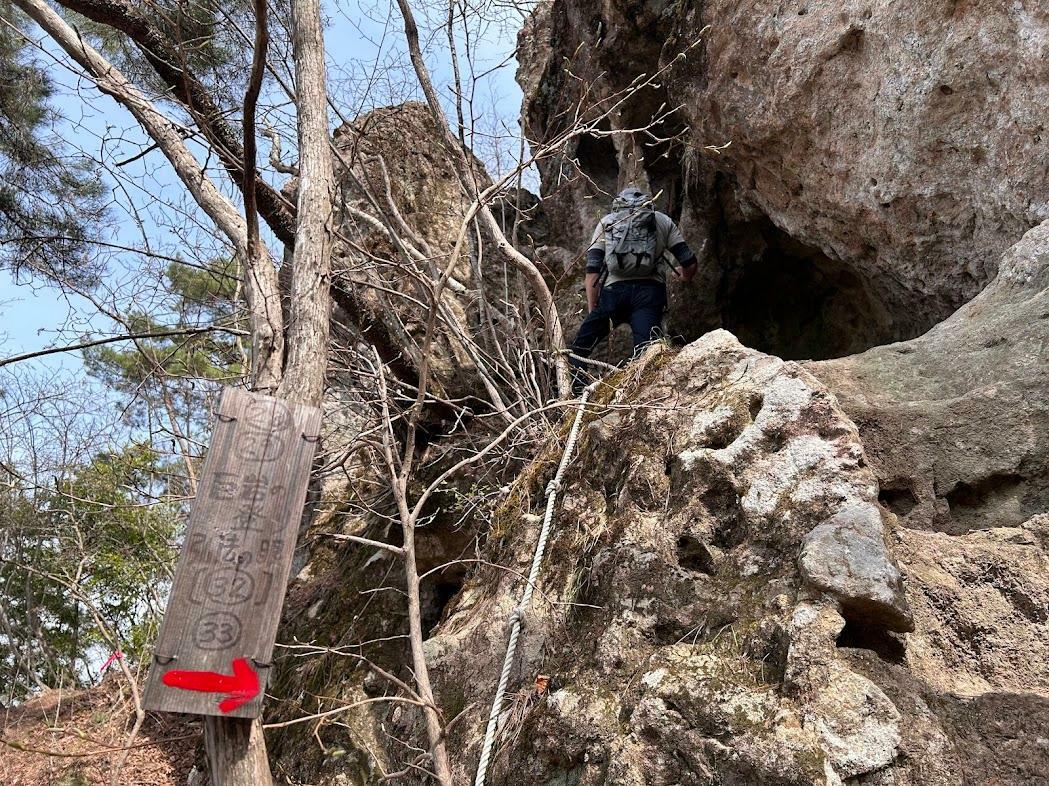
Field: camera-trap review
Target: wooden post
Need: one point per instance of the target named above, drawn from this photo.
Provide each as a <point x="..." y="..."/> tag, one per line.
<point x="236" y="752"/>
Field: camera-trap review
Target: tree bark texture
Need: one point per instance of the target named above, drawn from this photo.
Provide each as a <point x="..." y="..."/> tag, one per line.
<point x="237" y="749"/>
<point x="309" y="307"/>
<point x="236" y="752"/>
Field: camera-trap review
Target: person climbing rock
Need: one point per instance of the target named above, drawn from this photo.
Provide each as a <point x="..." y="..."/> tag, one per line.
<point x="626" y="274"/>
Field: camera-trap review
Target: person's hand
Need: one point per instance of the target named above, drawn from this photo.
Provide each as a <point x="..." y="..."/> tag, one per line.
<point x="686" y="274"/>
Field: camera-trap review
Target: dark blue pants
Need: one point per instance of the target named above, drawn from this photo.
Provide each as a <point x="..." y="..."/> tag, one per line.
<point x="641" y="303"/>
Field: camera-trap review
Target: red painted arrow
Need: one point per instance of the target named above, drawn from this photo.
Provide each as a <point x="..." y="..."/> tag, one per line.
<point x="242" y="686"/>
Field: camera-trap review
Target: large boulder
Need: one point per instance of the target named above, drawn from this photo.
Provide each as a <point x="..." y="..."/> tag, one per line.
<point x="724" y="602"/>
<point x="720" y="531"/>
<point x="763" y="571"/>
<point x="399" y="210"/>
<point x="744" y="587"/>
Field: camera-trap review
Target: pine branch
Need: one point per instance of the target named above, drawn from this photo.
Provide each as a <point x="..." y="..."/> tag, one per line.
<point x="169" y="64"/>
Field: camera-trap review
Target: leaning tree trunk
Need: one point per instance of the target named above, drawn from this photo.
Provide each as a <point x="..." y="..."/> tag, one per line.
<point x="261" y="289"/>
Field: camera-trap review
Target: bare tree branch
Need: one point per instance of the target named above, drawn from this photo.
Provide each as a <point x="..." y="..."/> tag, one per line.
<point x="163" y="55"/>
<point x="467" y="173"/>
<point x="113" y="339"/>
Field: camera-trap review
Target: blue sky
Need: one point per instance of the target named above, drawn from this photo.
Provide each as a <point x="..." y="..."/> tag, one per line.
<point x="25" y="314"/>
<point x="367" y="67"/>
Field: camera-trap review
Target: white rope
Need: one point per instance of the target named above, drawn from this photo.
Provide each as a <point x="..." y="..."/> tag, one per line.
<point x="516" y="616"/>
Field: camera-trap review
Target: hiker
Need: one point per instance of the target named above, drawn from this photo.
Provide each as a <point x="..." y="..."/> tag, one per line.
<point x="626" y="274"/>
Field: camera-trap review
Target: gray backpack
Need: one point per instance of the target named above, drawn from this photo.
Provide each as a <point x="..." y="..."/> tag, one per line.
<point x="631" y="236"/>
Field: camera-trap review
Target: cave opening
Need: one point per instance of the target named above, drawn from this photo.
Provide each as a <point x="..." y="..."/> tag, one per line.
<point x="774" y="291"/>
<point x="864" y="635"/>
<point x="787" y="298"/>
<point x="437" y="595"/>
<point x="596" y="157"/>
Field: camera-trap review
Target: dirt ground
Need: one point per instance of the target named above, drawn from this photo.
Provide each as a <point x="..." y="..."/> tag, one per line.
<point x="74" y="738"/>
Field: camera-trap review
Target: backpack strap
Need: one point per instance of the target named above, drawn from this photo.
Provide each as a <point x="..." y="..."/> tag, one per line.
<point x="626" y="232"/>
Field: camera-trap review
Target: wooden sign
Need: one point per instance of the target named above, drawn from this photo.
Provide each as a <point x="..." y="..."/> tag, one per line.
<point x="213" y="653"/>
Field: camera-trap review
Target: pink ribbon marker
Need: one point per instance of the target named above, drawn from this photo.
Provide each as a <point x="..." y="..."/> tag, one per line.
<point x="118" y="655"/>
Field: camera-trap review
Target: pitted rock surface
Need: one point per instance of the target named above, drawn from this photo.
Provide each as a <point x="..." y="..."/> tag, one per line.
<point x="681" y="637"/>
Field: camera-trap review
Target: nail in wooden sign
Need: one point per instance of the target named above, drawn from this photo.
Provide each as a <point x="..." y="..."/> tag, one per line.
<point x="215" y="645"/>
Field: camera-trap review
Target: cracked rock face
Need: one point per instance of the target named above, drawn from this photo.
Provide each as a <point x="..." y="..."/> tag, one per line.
<point x="955" y="426"/>
<point x="683" y="640"/>
<point x="887" y="186"/>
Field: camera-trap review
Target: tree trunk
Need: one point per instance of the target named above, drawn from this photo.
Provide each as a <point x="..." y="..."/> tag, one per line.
<point x="236" y="752"/>
<point x="309" y="309"/>
<point x="237" y="748"/>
